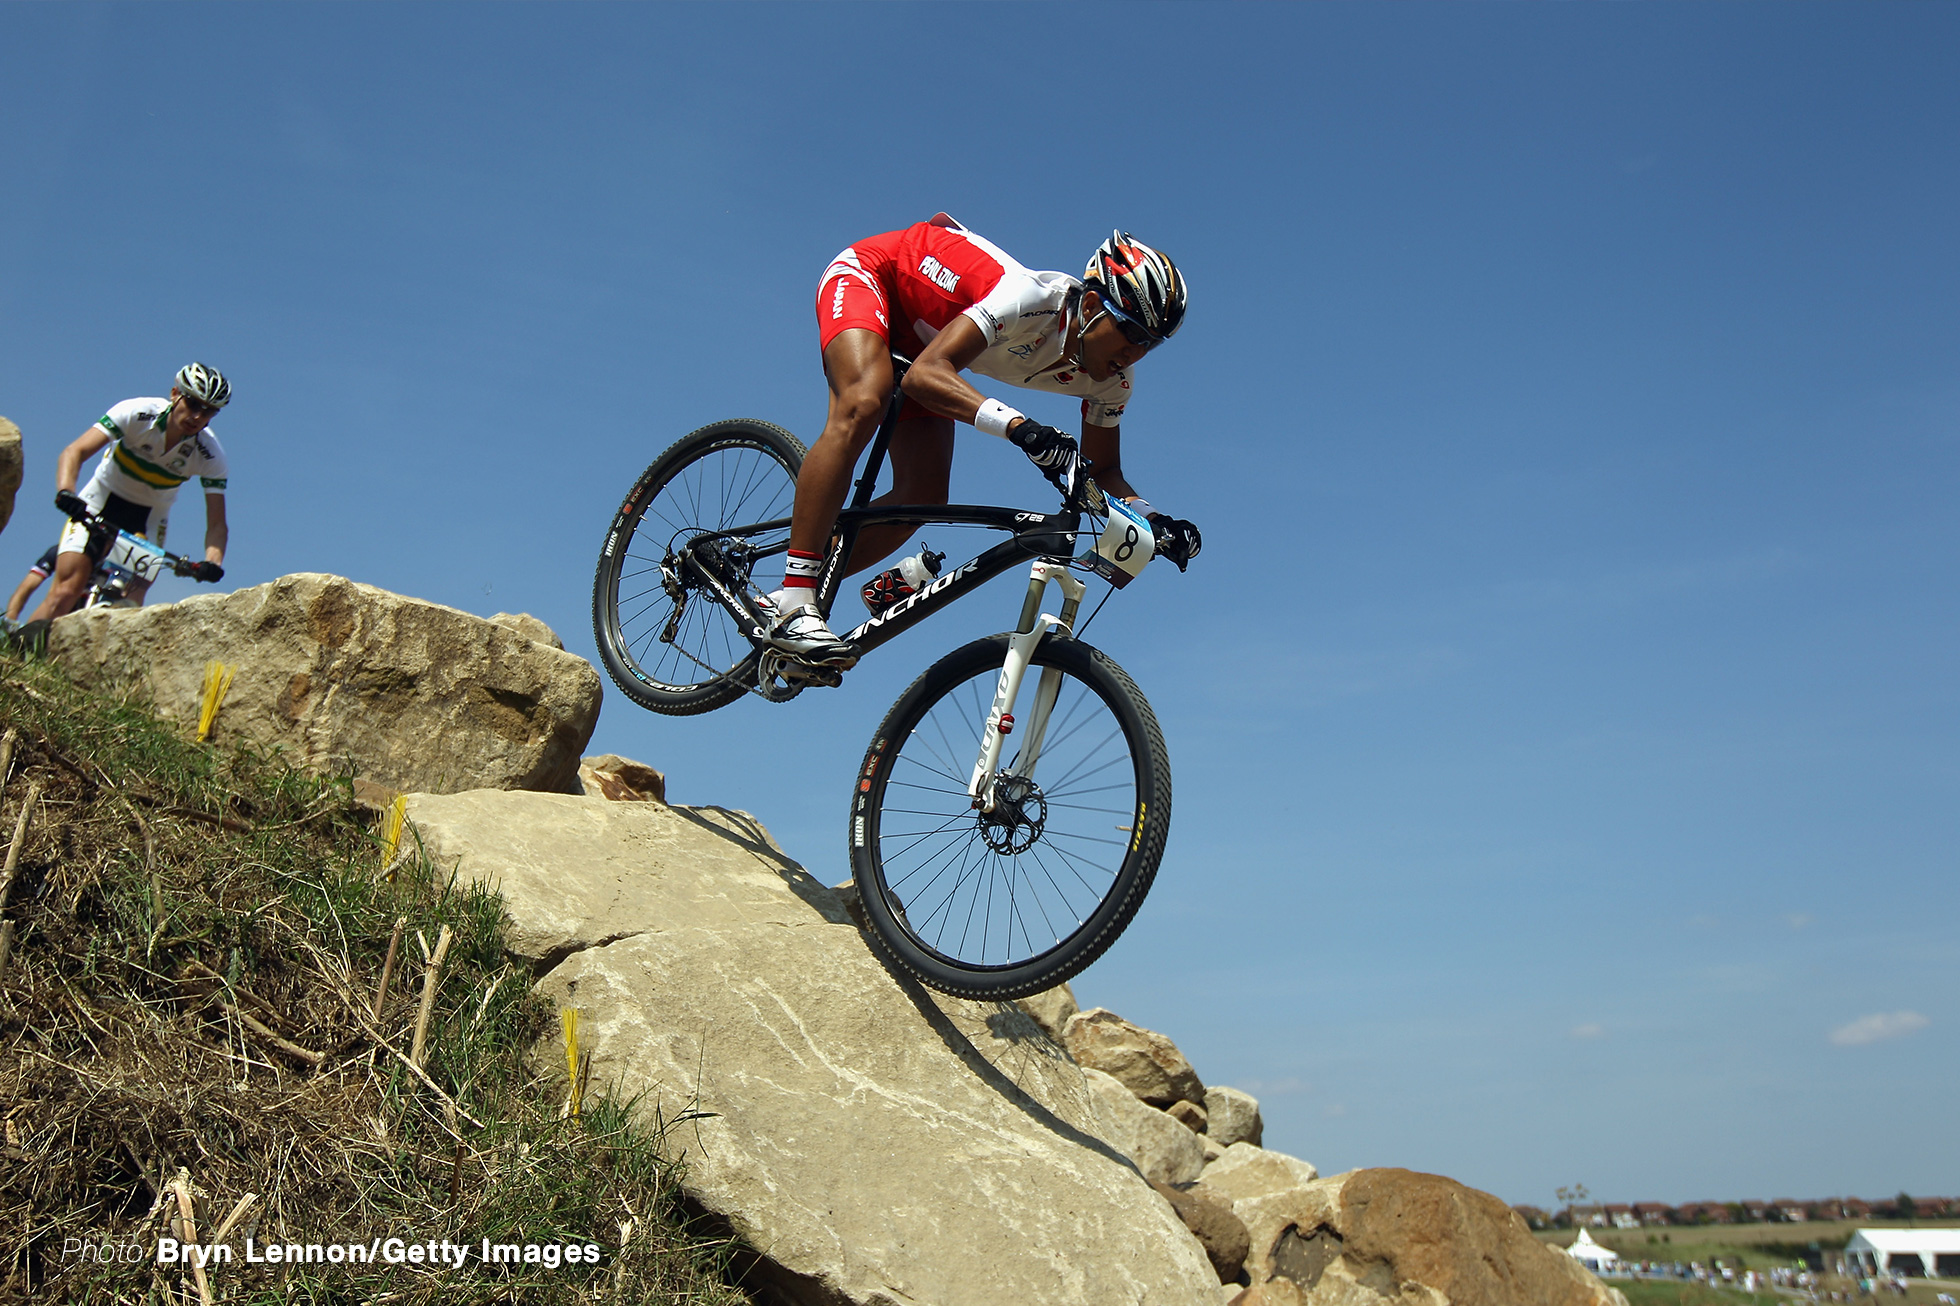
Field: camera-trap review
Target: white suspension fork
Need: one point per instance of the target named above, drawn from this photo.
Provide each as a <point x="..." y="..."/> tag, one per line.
<point x="1020" y="653"/>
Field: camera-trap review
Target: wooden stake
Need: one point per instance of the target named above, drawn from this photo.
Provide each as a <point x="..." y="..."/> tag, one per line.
<point x="291" y="1049"/>
<point x="20" y="837"/>
<point x="7" y="756"/>
<point x="388" y="968"/>
<point x="430" y="979"/>
<point x="6" y="946"/>
<point x="237" y="1214"/>
<point x="181" y="1185"/>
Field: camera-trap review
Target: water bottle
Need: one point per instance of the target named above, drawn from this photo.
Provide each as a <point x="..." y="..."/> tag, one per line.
<point x="896" y="584"/>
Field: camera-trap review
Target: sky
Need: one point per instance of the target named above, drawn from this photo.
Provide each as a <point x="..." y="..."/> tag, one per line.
<point x="1563" y="708"/>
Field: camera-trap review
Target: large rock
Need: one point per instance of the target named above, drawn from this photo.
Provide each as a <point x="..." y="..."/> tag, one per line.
<point x="1244" y="1172"/>
<point x="341" y="675"/>
<point x="1233" y="1117"/>
<point x="1375" y="1237"/>
<point x="1164" y="1150"/>
<point x="621" y="779"/>
<point x="1147" y="1063"/>
<point x="1221" y="1233"/>
<point x="875" y="1143"/>
<point x="1052" y="1009"/>
<point x="10" y="469"/>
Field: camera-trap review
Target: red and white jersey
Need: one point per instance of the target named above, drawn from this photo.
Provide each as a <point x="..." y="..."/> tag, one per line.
<point x="925" y="276"/>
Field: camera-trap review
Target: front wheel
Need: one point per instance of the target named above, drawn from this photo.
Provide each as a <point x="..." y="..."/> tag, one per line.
<point x="1009" y="902"/>
<point x="663" y="637"/>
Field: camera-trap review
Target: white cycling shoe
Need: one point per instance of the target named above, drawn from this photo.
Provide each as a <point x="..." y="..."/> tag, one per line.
<point x="800" y="632"/>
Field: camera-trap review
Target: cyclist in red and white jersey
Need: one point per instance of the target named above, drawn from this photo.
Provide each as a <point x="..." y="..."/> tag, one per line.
<point x="952" y="302"/>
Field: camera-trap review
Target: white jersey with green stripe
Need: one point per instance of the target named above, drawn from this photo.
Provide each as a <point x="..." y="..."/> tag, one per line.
<point x="140" y="464"/>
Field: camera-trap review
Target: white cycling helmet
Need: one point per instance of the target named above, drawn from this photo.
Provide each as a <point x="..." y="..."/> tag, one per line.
<point x="1139" y="285"/>
<point x="207" y="385"/>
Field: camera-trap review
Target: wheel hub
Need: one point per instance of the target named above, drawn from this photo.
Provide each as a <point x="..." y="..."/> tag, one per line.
<point x="1018" y="816"/>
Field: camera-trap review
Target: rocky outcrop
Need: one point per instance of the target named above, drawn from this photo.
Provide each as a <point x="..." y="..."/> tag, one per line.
<point x="1146" y="1062"/>
<point x="10" y="469"/>
<point x="874" y="1143"/>
<point x="1164" y="1150"/>
<point x="1052" y="1009"/>
<point x="1243" y="1173"/>
<point x="1220" y="1232"/>
<point x="1232" y="1117"/>
<point x="339" y="675"/>
<point x="621" y="779"/>
<point x="1376" y="1237"/>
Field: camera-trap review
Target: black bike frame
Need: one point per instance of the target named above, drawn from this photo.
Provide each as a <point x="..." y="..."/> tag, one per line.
<point x="1035" y="535"/>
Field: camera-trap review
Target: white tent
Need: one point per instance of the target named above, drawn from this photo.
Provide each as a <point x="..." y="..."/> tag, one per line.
<point x="1884" y="1250"/>
<point x="1591" y="1254"/>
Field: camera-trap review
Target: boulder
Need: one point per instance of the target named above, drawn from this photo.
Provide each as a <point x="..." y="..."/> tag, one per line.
<point x="1146" y="1062"/>
<point x="530" y="627"/>
<point x="1373" y="1237"/>
<point x="344" y="676"/>
<point x="1165" y="1151"/>
<point x="10" y="469"/>
<point x="1233" y="1117"/>
<point x="874" y="1143"/>
<point x="1209" y="1216"/>
<point x="1243" y="1172"/>
<point x="1051" y="1009"/>
<point x="621" y="779"/>
<point x="1189" y="1114"/>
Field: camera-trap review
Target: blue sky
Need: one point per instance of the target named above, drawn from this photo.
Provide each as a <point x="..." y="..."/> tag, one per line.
<point x="1563" y="709"/>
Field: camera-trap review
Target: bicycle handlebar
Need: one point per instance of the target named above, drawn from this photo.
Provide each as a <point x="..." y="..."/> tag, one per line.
<point x="101" y="528"/>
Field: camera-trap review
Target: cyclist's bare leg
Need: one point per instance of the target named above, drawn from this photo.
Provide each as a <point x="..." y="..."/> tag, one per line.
<point x="922" y="466"/>
<point x="68" y="588"/>
<point x="858" y="365"/>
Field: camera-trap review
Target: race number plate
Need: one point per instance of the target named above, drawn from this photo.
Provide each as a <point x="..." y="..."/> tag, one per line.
<point x="1125" y="548"/>
<point x="138" y="555"/>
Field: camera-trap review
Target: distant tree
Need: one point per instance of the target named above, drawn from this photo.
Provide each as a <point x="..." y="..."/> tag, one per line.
<point x="1907" y="1208"/>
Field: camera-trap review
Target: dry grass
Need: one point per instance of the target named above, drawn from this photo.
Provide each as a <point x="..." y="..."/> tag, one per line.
<point x="198" y="940"/>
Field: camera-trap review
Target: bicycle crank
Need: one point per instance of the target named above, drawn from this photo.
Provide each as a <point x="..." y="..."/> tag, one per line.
<point x="781" y="677"/>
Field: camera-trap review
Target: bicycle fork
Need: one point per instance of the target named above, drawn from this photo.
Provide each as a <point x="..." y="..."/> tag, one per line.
<point x="1020" y="653"/>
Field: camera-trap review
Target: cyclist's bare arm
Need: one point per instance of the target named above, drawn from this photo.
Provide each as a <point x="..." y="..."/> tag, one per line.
<point x="216" y="533"/>
<point x="1103" y="447"/>
<point x="935" y="379"/>
<point x="68" y="467"/>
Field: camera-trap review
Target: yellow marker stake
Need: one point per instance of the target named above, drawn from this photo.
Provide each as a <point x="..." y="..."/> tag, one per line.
<point x="391" y="827"/>
<point x="570" y="1018"/>
<point x="217" y="683"/>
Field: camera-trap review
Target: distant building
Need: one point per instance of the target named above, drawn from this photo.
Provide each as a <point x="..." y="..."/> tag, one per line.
<point x="1621" y="1216"/>
<point x="1653" y="1214"/>
<point x="1533" y="1217"/>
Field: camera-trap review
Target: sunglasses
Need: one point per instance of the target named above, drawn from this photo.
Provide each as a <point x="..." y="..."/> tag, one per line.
<point x="197" y="407"/>
<point x="1133" y="331"/>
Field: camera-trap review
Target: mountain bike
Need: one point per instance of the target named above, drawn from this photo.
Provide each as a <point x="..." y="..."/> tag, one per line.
<point x="1004" y="828"/>
<point x="123" y="560"/>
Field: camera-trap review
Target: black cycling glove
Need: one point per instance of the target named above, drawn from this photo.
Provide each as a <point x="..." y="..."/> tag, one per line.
<point x="70" y="503"/>
<point x="1175" y="538"/>
<point x="1053" y="451"/>
<point x="208" y="572"/>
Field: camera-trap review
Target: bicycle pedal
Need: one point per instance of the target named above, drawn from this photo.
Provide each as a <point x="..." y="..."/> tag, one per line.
<point x="811" y="674"/>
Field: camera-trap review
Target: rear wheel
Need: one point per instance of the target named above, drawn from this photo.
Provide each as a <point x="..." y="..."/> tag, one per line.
<point x="1009" y="902"/>
<point x="664" y="639"/>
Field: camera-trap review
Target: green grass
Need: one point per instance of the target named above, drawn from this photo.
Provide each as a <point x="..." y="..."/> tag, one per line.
<point x="168" y="891"/>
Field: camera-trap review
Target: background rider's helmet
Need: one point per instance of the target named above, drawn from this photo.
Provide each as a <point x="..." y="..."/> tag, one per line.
<point x="1138" y="283"/>
<point x="204" y="384"/>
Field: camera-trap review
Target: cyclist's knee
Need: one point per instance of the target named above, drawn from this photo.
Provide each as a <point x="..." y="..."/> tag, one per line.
<point x="855" y="414"/>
